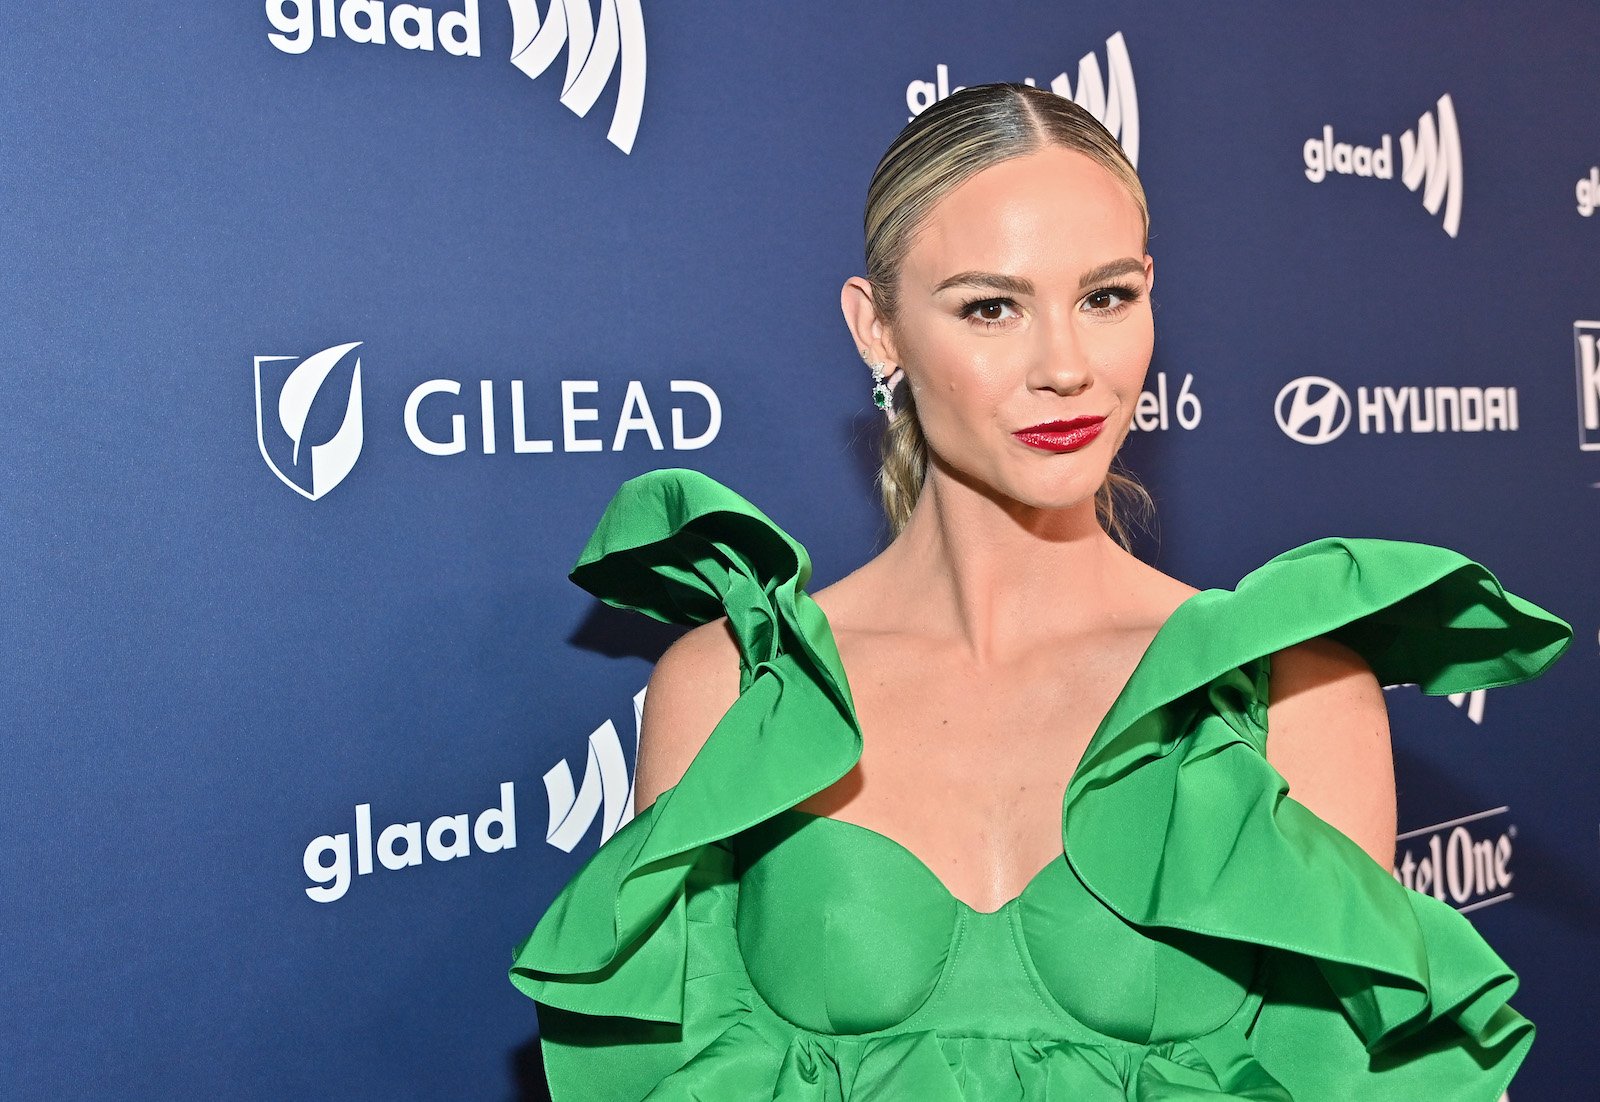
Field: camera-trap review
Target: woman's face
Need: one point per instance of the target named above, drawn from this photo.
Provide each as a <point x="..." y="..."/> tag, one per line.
<point x="1024" y="299"/>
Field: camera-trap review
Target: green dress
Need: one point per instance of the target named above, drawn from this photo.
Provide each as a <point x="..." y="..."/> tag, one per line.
<point x="1202" y="937"/>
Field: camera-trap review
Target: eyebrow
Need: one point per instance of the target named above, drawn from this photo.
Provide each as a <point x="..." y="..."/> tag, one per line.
<point x="1017" y="285"/>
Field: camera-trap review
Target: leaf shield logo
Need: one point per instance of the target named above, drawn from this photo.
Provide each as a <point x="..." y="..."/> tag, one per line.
<point x="309" y="469"/>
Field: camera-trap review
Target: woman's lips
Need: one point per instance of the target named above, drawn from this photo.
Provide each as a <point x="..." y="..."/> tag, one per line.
<point x="1061" y="436"/>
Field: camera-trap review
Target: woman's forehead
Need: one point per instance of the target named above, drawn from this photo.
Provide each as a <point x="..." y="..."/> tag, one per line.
<point x="1052" y="207"/>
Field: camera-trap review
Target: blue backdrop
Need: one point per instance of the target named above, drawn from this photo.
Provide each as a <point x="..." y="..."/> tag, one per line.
<point x="331" y="327"/>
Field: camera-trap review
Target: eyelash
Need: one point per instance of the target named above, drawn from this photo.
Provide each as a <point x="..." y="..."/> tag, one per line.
<point x="1128" y="293"/>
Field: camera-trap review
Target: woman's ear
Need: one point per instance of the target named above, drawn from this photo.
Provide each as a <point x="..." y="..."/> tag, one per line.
<point x="1149" y="273"/>
<point x="871" y="334"/>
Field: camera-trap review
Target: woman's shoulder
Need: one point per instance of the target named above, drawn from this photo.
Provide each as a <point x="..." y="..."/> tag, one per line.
<point x="1328" y="735"/>
<point x="697" y="680"/>
<point x="694" y="683"/>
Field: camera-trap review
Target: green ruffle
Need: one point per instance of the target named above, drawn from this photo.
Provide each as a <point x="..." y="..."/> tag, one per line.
<point x="1169" y="854"/>
<point x="639" y="979"/>
<point x="679" y="546"/>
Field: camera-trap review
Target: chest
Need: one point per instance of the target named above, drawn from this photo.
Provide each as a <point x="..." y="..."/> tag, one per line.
<point x="843" y="932"/>
<point x="965" y="765"/>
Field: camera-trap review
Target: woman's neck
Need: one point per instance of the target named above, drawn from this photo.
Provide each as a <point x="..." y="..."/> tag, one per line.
<point x="997" y="575"/>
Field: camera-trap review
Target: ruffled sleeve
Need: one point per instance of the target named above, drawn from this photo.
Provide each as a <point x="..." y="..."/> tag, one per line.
<point x="1176" y="820"/>
<point x="634" y="965"/>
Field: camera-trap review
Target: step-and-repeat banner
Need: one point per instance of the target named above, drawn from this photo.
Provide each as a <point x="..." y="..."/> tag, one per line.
<point x="332" y="325"/>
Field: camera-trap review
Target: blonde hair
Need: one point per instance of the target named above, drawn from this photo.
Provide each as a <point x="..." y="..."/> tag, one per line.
<point x="943" y="147"/>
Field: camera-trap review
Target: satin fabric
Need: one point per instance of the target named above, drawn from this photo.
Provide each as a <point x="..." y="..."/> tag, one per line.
<point x="1204" y="936"/>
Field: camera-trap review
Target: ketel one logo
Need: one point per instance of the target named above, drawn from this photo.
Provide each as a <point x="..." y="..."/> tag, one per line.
<point x="1312" y="410"/>
<point x="1429" y="154"/>
<point x="1465" y="862"/>
<point x="287" y="391"/>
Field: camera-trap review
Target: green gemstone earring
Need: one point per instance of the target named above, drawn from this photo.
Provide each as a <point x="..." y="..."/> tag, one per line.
<point x="883" y="388"/>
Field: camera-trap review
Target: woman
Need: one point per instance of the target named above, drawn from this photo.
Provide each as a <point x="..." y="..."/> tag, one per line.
<point x="1037" y="844"/>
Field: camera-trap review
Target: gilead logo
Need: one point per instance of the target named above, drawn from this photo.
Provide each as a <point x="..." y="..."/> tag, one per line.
<point x="400" y="845"/>
<point x="286" y="390"/>
<point x="1430" y="154"/>
<point x="436" y="417"/>
<point x="299" y="401"/>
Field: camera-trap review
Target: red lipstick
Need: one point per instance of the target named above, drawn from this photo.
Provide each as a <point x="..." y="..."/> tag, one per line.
<point x="1061" y="436"/>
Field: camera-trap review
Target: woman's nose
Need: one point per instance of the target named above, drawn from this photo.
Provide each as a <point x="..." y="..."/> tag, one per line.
<point x="1060" y="361"/>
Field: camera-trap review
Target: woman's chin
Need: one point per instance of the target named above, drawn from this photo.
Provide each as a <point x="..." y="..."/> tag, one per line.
<point x="1054" y="493"/>
<point x="1035" y="483"/>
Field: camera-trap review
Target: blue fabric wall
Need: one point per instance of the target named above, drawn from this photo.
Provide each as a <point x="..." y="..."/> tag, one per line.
<point x="256" y="614"/>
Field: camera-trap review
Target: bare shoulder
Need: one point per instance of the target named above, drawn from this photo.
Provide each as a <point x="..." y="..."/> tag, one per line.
<point x="1153" y="594"/>
<point x="1328" y="734"/>
<point x="694" y="683"/>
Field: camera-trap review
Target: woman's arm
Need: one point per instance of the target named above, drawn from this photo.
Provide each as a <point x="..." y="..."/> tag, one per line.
<point x="693" y="685"/>
<point x="1328" y="734"/>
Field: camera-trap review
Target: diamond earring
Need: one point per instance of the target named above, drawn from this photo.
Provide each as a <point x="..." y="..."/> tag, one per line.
<point x="883" y="388"/>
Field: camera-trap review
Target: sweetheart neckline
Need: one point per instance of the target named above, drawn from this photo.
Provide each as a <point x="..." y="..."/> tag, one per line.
<point x="1072" y="777"/>
<point x="812" y="816"/>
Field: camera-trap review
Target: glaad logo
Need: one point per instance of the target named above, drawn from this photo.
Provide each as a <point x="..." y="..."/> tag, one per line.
<point x="327" y="858"/>
<point x="594" y="48"/>
<point x="310" y="471"/>
<point x="1315" y="410"/>
<point x="1430" y="154"/>
<point x="607" y="787"/>
<point x="1108" y="94"/>
<point x="1584" y="335"/>
<point x="408" y="26"/>
<point x="1465" y="862"/>
<point x="1588" y="191"/>
<point x="1470" y="702"/>
<point x="592" y="55"/>
<point x="607" y="793"/>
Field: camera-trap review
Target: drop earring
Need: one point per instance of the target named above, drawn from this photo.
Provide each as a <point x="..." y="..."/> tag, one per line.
<point x="883" y="387"/>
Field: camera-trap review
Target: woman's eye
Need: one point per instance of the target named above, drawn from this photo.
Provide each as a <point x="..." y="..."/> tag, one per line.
<point x="1108" y="300"/>
<point x="990" y="311"/>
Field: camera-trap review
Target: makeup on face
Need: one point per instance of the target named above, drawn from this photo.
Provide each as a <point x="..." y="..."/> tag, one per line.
<point x="1061" y="436"/>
